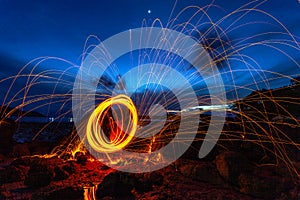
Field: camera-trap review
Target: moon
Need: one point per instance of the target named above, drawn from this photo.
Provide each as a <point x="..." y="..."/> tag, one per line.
<point x="149" y="11"/>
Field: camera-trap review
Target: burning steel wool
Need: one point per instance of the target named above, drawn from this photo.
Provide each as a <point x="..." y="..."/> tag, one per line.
<point x="105" y="140"/>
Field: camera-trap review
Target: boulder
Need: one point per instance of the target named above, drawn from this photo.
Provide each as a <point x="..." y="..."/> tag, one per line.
<point x="201" y="171"/>
<point x="13" y="174"/>
<point x="38" y="177"/>
<point x="60" y="173"/>
<point x="25" y="161"/>
<point x="2" y="158"/>
<point x="63" y="171"/>
<point x="231" y="164"/>
<point x="255" y="152"/>
<point x="145" y="181"/>
<point x="81" y="157"/>
<point x="60" y="193"/>
<point x="263" y="187"/>
<point x="41" y="172"/>
<point x="117" y="185"/>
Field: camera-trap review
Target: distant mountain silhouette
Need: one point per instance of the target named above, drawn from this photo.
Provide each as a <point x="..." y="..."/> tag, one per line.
<point x="284" y="101"/>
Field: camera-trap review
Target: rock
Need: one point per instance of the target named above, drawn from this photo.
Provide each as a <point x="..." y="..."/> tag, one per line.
<point x="231" y="164"/>
<point x="295" y="192"/>
<point x="201" y="171"/>
<point x="25" y="161"/>
<point x="280" y="170"/>
<point x="60" y="193"/>
<point x="117" y="185"/>
<point x="69" y="167"/>
<point x="2" y="158"/>
<point x="7" y="130"/>
<point x="81" y="157"/>
<point x="66" y="193"/>
<point x="263" y="187"/>
<point x="13" y="174"/>
<point x="20" y="150"/>
<point x="297" y="166"/>
<point x="143" y="182"/>
<point x="38" y="179"/>
<point x="41" y="172"/>
<point x="154" y="178"/>
<point x="60" y="173"/>
<point x="63" y="171"/>
<point x="155" y="195"/>
<point x="255" y="152"/>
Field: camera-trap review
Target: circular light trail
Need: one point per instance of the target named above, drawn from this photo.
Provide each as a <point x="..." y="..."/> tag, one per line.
<point x="119" y="139"/>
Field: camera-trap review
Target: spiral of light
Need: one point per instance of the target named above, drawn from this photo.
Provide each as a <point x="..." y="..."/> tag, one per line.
<point x="119" y="138"/>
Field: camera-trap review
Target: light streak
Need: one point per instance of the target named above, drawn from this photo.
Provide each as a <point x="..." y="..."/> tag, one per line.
<point x="118" y="138"/>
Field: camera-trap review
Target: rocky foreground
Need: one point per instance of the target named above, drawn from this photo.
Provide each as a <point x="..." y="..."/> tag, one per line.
<point x="229" y="176"/>
<point x="235" y="169"/>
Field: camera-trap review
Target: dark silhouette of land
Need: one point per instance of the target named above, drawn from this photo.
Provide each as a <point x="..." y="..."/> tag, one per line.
<point x="256" y="157"/>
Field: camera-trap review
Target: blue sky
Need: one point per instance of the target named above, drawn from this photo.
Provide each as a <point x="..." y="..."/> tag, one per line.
<point x="32" y="28"/>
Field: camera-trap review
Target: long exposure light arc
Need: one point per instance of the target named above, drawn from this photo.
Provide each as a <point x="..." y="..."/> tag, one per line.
<point x="95" y="135"/>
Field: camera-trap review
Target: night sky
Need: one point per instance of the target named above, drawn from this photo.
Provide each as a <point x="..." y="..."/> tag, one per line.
<point x="31" y="29"/>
